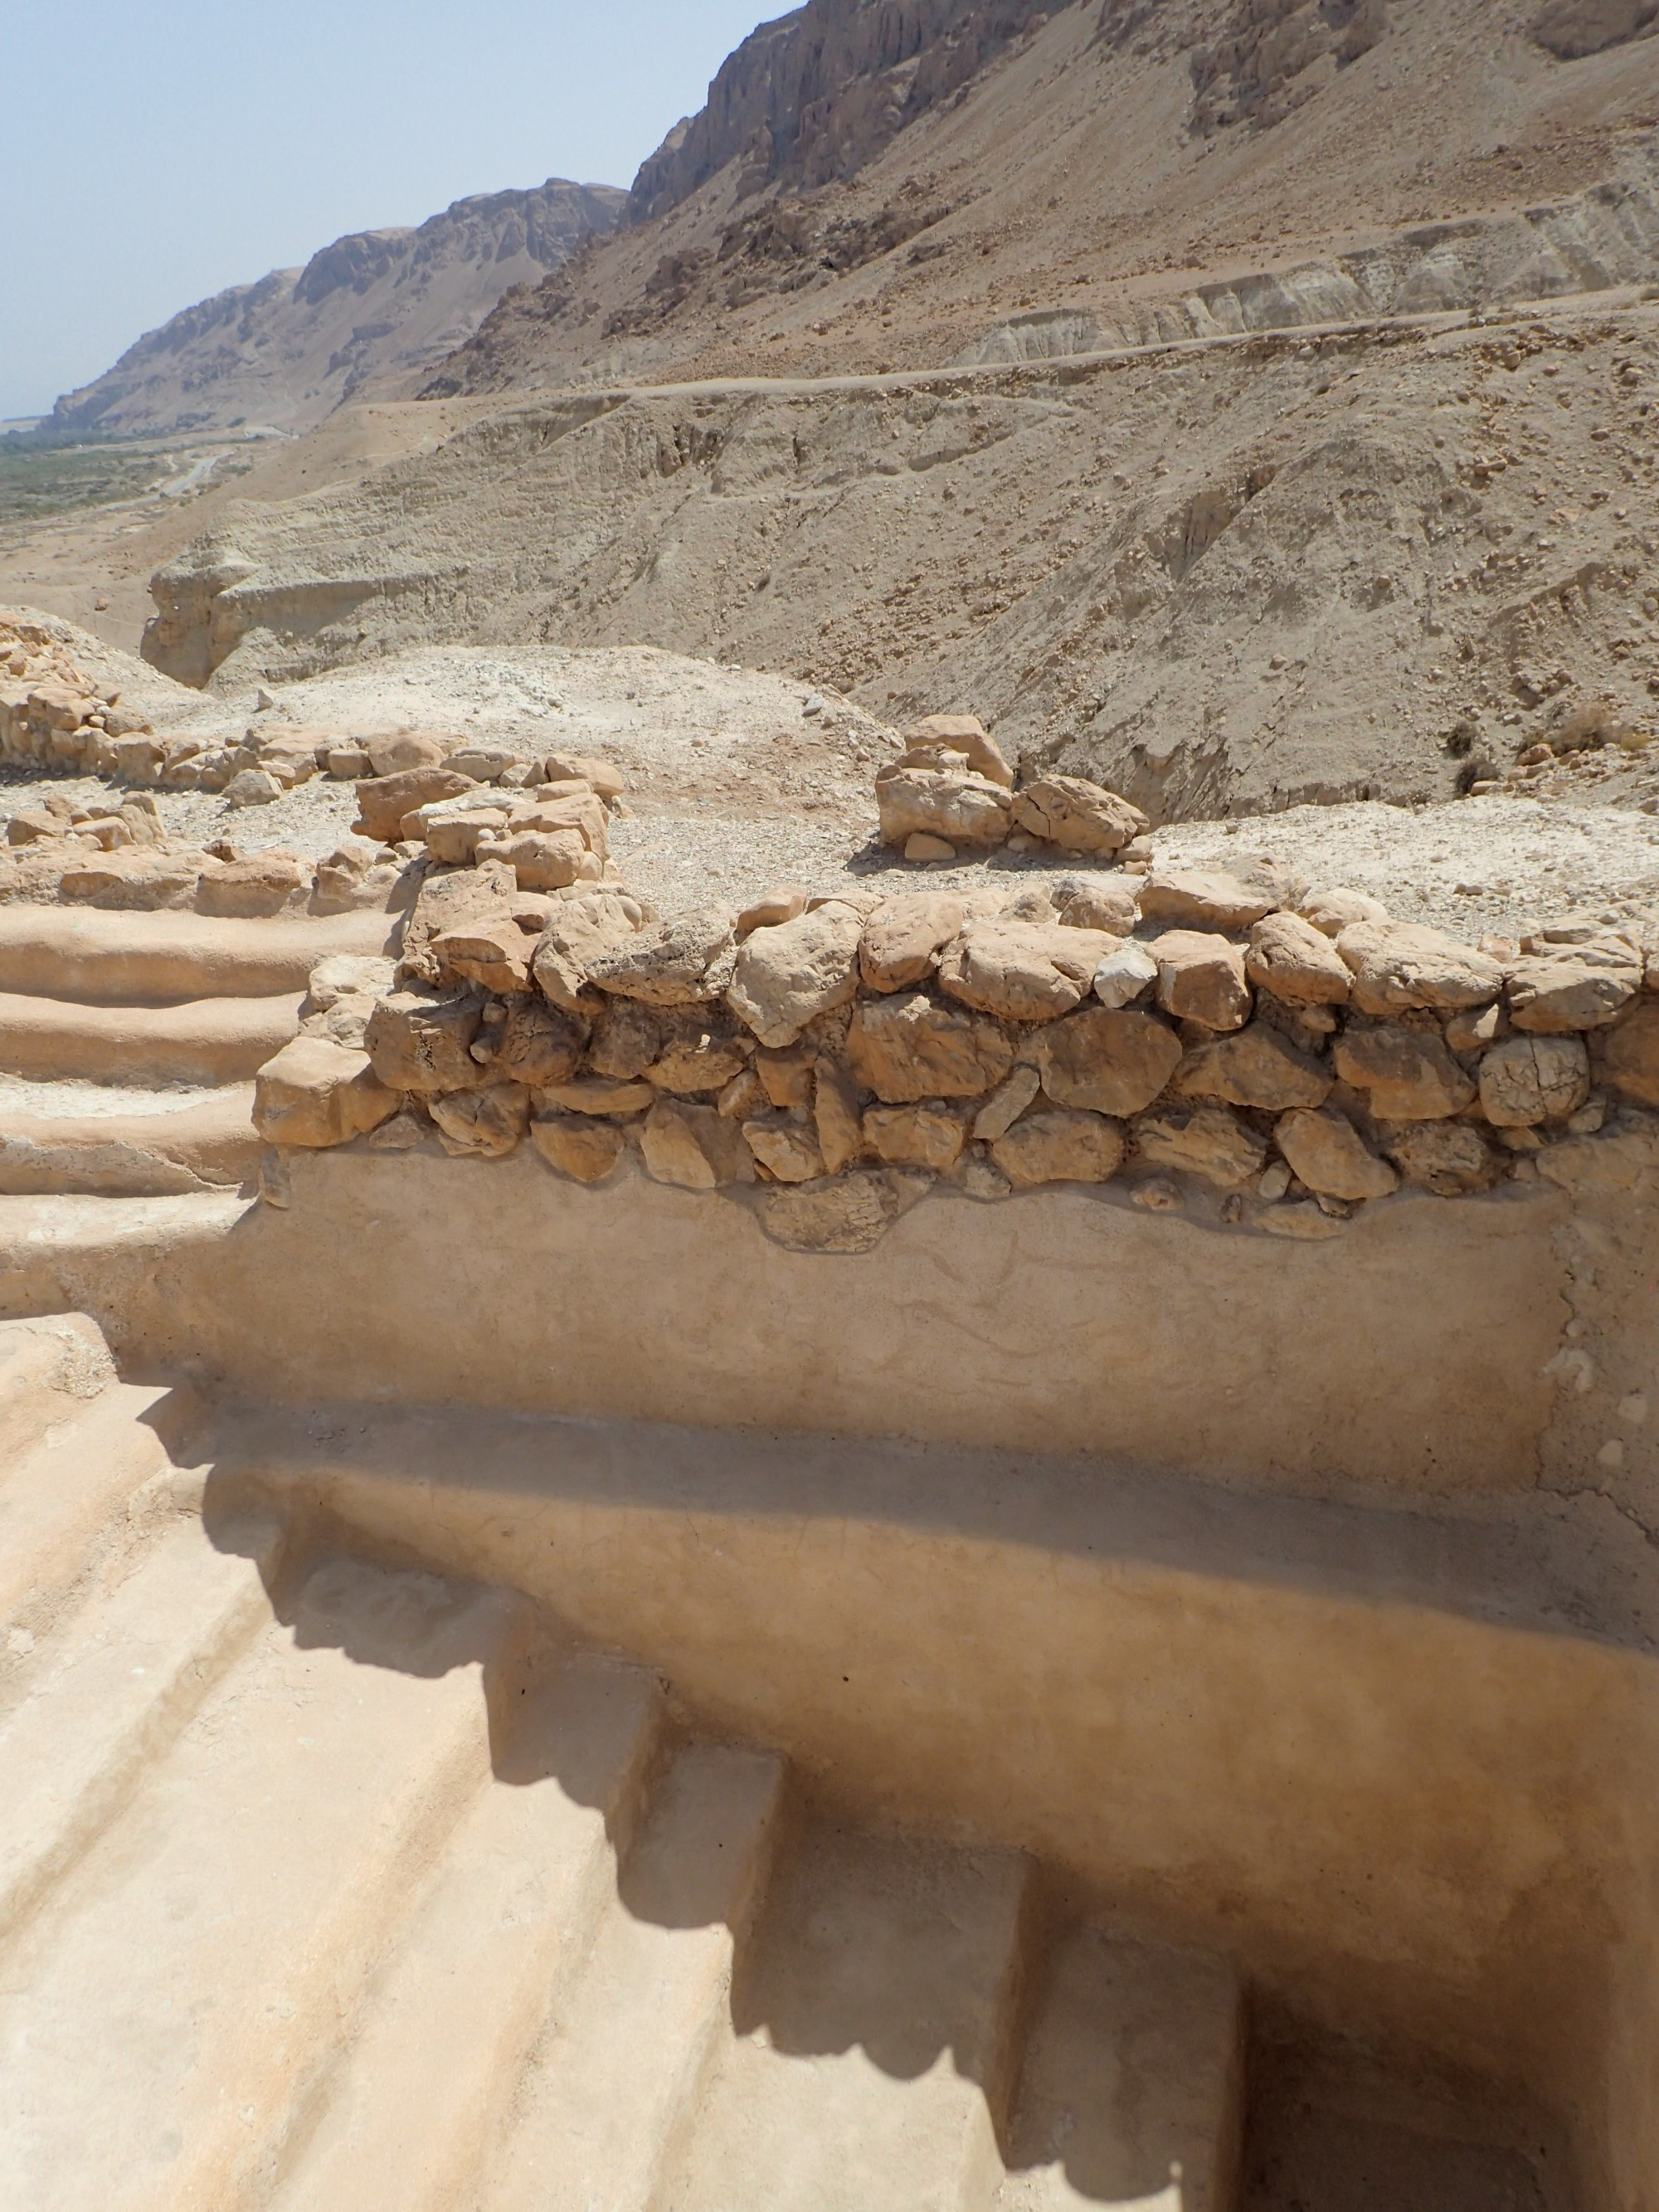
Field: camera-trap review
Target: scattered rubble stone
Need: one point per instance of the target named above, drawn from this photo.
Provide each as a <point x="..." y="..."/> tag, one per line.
<point x="960" y="809"/>
<point x="586" y="1151"/>
<point x="1200" y="978"/>
<point x="908" y="1047"/>
<point x="785" y="976"/>
<point x="1209" y="902"/>
<point x="1060" y="1146"/>
<point x="1527" y="1080"/>
<point x="1022" y="971"/>
<point x="1076" y="815"/>
<point x="902" y="940"/>
<point x="1397" y="966"/>
<point x="1255" y="1067"/>
<point x="313" y="1095"/>
<point x="1110" y="1063"/>
<point x="1327" y="1154"/>
<point x="1297" y="961"/>
<point x="1409" y="1073"/>
<point x="1209" y="1142"/>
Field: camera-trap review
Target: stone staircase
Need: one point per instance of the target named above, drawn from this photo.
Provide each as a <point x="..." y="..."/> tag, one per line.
<point x="129" y="1042"/>
<point x="329" y="1884"/>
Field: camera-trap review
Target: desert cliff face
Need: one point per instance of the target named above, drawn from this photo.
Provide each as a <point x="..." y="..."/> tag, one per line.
<point x="370" y="313"/>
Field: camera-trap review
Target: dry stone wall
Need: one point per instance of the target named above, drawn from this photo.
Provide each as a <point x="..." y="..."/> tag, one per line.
<point x="1262" y="1053"/>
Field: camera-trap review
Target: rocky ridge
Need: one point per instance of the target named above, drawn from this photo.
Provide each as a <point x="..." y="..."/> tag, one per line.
<point x="371" y="313"/>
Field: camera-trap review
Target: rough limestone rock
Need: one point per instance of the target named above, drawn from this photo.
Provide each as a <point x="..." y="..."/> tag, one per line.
<point x="910" y="1048"/>
<point x="1076" y="815"/>
<point x="1210" y="901"/>
<point x="836" y="1117"/>
<point x="1209" y="1142"/>
<point x="601" y="776"/>
<point x="1329" y="1155"/>
<point x="251" y="787"/>
<point x="542" y="859"/>
<point x="902" y="940"/>
<point x="849" y="1214"/>
<point x="684" y="962"/>
<point x="407" y="749"/>
<point x="266" y="884"/>
<point x="421" y="1039"/>
<point x="600" y="1095"/>
<point x="1397" y="966"/>
<point x="1255" y="1067"/>
<point x="488" y="1121"/>
<point x="1409" y="1073"/>
<point x="1060" y="1146"/>
<point x="495" y="953"/>
<point x="915" y="1136"/>
<point x="1527" y="1080"/>
<point x="1200" y="978"/>
<point x="313" y="1095"/>
<point x="1022" y="971"/>
<point x="1631" y="1060"/>
<point x="1011" y="1098"/>
<point x="1576" y="987"/>
<point x="1107" y="1061"/>
<point x="448" y="899"/>
<point x="788" y="1150"/>
<point x="1126" y="974"/>
<point x="785" y="978"/>
<point x="964" y="734"/>
<point x="1332" y="911"/>
<point x="383" y="800"/>
<point x="578" y="930"/>
<point x="1297" y="963"/>
<point x="586" y="1151"/>
<point x="535" y="1044"/>
<point x="769" y="910"/>
<point x="347" y="975"/>
<point x="1110" y="907"/>
<point x="691" y="1147"/>
<point x="698" y="1055"/>
<point x="1449" y="1159"/>
<point x="963" y="810"/>
<point x="129" y="882"/>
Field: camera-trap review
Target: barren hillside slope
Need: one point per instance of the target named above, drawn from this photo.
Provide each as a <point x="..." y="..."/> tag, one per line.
<point x="1230" y="533"/>
<point x="874" y="187"/>
<point x="371" y="313"/>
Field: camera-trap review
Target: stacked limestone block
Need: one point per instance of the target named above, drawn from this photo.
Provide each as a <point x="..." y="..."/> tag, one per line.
<point x="1258" y="1053"/>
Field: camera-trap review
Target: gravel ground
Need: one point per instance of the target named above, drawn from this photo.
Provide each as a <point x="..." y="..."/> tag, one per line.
<point x="740" y="780"/>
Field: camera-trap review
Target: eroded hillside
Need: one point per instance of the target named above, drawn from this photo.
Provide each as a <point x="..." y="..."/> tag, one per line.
<point x="1222" y="578"/>
<point x="372" y="313"/>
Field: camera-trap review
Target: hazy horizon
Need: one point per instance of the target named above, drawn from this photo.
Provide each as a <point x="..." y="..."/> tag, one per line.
<point x="206" y="152"/>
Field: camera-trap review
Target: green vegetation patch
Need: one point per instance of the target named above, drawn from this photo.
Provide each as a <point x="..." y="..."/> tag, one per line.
<point x="36" y="485"/>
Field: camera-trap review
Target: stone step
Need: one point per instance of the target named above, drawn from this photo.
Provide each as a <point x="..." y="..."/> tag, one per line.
<point x="172" y="2003"/>
<point x="1131" y="2088"/>
<point x="614" y="2082"/>
<point x="63" y="1252"/>
<point x="156" y="1150"/>
<point x="158" y="959"/>
<point x="207" y="1040"/>
<point x="867" y="2066"/>
<point x="105" y="1697"/>
<point x="406" y="2117"/>
<point x="51" y="1366"/>
<point x="66" y="1503"/>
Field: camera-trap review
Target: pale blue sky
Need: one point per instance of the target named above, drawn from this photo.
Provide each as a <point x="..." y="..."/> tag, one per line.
<point x="156" y="151"/>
